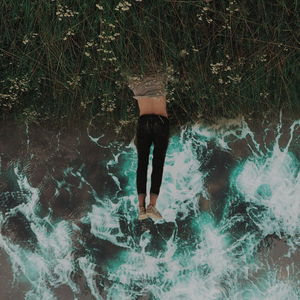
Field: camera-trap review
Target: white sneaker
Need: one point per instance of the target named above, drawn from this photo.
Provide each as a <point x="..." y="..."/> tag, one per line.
<point x="142" y="213"/>
<point x="152" y="212"/>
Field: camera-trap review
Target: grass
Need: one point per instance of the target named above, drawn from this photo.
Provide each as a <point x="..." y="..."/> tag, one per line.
<point x="224" y="58"/>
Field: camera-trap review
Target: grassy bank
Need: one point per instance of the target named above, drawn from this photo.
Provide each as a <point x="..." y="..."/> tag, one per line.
<point x="65" y="60"/>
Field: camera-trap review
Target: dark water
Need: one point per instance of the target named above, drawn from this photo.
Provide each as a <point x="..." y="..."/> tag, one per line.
<point x="229" y="197"/>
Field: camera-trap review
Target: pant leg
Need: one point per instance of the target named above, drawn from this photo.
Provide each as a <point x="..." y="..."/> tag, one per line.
<point x="143" y="144"/>
<point x="161" y="141"/>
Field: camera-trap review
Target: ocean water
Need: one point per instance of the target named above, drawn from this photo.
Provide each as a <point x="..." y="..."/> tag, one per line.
<point x="230" y="198"/>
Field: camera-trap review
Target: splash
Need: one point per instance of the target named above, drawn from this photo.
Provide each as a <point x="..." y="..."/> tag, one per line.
<point x="270" y="185"/>
<point x="192" y="254"/>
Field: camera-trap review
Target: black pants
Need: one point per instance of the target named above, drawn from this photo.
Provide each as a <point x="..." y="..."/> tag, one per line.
<point x="151" y="128"/>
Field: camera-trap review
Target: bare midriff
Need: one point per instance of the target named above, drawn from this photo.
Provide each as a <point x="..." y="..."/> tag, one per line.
<point x="152" y="105"/>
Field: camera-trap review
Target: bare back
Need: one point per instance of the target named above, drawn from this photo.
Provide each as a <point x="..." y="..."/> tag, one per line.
<point x="150" y="92"/>
<point x="152" y="105"/>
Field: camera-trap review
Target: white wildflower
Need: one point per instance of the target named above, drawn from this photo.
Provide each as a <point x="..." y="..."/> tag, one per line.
<point x="235" y="79"/>
<point x="263" y="57"/>
<point x="123" y="6"/>
<point x="100" y="7"/>
<point x="183" y="53"/>
<point x="215" y="68"/>
<point x="64" y="12"/>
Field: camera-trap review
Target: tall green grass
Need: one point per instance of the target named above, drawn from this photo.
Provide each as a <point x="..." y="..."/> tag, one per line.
<point x="223" y="58"/>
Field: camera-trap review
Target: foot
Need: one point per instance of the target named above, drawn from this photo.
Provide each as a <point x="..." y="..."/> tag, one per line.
<point x="142" y="213"/>
<point x="153" y="212"/>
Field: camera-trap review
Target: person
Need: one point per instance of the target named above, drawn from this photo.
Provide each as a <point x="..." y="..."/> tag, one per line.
<point x="152" y="127"/>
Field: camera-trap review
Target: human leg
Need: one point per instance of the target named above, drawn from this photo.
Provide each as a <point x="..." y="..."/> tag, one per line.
<point x="142" y="199"/>
<point x="161" y="141"/>
<point x="153" y="198"/>
<point x="143" y="144"/>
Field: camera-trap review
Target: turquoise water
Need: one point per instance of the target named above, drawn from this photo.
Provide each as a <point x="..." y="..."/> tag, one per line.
<point x="229" y="197"/>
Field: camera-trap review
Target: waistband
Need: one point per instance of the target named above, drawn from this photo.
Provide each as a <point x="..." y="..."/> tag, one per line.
<point x="149" y="116"/>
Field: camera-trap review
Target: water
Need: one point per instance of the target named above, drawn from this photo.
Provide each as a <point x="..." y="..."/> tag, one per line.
<point x="229" y="196"/>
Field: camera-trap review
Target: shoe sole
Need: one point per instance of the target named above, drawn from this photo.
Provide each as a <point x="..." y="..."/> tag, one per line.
<point x="143" y="217"/>
<point x="154" y="216"/>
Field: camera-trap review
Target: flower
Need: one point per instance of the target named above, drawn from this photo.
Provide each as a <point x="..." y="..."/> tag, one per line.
<point x="183" y="53"/>
<point x="100" y="7"/>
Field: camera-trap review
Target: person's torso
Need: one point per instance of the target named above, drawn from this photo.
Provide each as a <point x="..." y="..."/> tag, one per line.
<point x="152" y="105"/>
